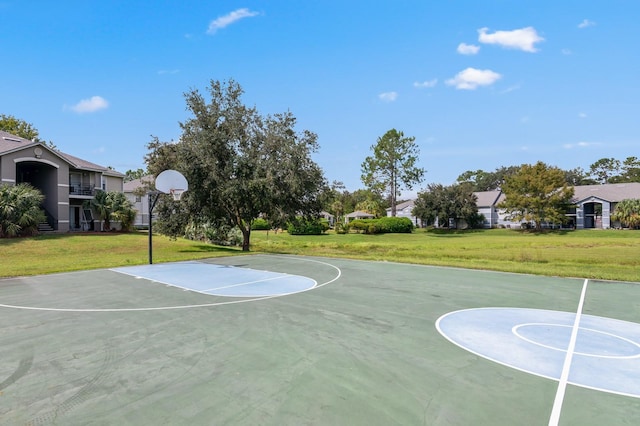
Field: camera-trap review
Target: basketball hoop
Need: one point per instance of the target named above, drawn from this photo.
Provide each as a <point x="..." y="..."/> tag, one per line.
<point x="176" y="193"/>
<point x="168" y="182"/>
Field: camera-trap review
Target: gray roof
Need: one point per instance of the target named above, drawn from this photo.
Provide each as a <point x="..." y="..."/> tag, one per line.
<point x="403" y="205"/>
<point x="144" y="182"/>
<point x="10" y="143"/>
<point x="613" y="192"/>
<point x="359" y="214"/>
<point x="488" y="198"/>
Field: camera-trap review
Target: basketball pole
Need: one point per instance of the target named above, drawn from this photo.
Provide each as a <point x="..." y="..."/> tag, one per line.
<point x="153" y="199"/>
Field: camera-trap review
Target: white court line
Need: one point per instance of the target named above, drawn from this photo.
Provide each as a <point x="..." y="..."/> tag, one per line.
<point x="564" y="377"/>
<point x="204" y="305"/>
<point x="253" y="282"/>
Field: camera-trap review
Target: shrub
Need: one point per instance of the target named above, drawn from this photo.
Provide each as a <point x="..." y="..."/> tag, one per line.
<point x="324" y="223"/>
<point x="223" y="235"/>
<point x="476" y="221"/>
<point x="260" y="225"/>
<point x="360" y="225"/>
<point x="302" y="226"/>
<point x="384" y="225"/>
<point x="342" y="228"/>
<point x="401" y="225"/>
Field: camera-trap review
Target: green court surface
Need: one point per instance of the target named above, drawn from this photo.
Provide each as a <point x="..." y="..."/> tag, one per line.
<point x="362" y="347"/>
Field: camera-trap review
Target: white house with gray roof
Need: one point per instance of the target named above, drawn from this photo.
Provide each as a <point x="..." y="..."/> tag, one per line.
<point x="593" y="206"/>
<point x="65" y="181"/>
<point x="404" y="209"/>
<point x="596" y="203"/>
<point x="137" y="192"/>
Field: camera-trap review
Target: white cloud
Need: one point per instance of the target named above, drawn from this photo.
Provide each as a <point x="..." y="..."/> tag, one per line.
<point x="388" y="96"/>
<point x="580" y="145"/>
<point x="511" y="89"/>
<point x="586" y="23"/>
<point x="522" y="39"/>
<point x="471" y="78"/>
<point x="226" y="20"/>
<point x="93" y="104"/>
<point x="467" y="49"/>
<point x="425" y="84"/>
<point x="582" y="115"/>
<point x="566" y="51"/>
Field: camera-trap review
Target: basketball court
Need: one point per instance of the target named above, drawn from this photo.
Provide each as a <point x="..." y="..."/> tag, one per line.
<point x="265" y="339"/>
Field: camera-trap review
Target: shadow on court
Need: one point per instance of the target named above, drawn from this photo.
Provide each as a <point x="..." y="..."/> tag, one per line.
<point x="359" y="347"/>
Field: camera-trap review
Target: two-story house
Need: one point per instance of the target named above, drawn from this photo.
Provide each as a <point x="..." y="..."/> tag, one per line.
<point x="65" y="181"/>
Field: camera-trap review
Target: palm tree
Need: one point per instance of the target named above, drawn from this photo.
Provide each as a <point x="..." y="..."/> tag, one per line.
<point x="121" y="210"/>
<point x="100" y="204"/>
<point x="113" y="205"/>
<point x="627" y="212"/>
<point x="20" y="211"/>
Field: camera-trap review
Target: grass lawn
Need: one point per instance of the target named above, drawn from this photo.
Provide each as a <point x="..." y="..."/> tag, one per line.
<point x="603" y="254"/>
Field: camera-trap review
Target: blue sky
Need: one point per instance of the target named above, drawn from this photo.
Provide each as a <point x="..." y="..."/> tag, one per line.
<point x="479" y="84"/>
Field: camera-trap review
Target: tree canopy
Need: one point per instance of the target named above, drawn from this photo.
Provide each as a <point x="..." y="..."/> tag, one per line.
<point x="456" y="202"/>
<point x="240" y="165"/>
<point x="392" y="166"/>
<point x="18" y="127"/>
<point x="537" y="193"/>
<point x="134" y="174"/>
<point x="479" y="180"/>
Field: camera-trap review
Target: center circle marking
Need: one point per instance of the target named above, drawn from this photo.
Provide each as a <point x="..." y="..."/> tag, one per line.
<point x="601" y="343"/>
<point x="606" y="356"/>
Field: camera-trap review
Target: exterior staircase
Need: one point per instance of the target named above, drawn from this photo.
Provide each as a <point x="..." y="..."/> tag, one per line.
<point x="44" y="227"/>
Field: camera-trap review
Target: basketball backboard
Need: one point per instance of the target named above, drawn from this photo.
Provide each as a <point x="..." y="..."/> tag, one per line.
<point x="171" y="181"/>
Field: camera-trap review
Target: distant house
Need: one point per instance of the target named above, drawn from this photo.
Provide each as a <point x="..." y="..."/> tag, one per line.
<point x="596" y="203"/>
<point x="65" y="181"/>
<point x="137" y="192"/>
<point x="357" y="215"/>
<point x="593" y="206"/>
<point x="487" y="202"/>
<point x="328" y="217"/>
<point x="404" y="210"/>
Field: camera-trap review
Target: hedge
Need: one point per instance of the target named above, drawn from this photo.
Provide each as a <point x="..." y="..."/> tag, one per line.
<point x="384" y="225"/>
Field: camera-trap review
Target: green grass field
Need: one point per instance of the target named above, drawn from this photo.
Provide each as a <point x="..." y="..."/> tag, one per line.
<point x="602" y="254"/>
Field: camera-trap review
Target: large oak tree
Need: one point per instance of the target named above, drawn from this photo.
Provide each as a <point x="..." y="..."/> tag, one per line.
<point x="240" y="165"/>
<point x="445" y="203"/>
<point x="537" y="193"/>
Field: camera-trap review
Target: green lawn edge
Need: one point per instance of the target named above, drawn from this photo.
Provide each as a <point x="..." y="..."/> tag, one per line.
<point x="594" y="254"/>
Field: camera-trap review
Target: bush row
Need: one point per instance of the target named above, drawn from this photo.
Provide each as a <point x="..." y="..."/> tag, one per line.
<point x="302" y="226"/>
<point x="384" y="225"/>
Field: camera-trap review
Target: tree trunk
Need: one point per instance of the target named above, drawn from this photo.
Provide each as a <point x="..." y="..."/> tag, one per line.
<point x="246" y="237"/>
<point x="393" y="197"/>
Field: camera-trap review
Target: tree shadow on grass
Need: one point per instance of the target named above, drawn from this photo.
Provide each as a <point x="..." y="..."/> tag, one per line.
<point x="453" y="232"/>
<point x="210" y="248"/>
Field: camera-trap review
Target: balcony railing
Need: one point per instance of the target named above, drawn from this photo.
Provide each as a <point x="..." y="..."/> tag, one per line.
<point x="82" y="190"/>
